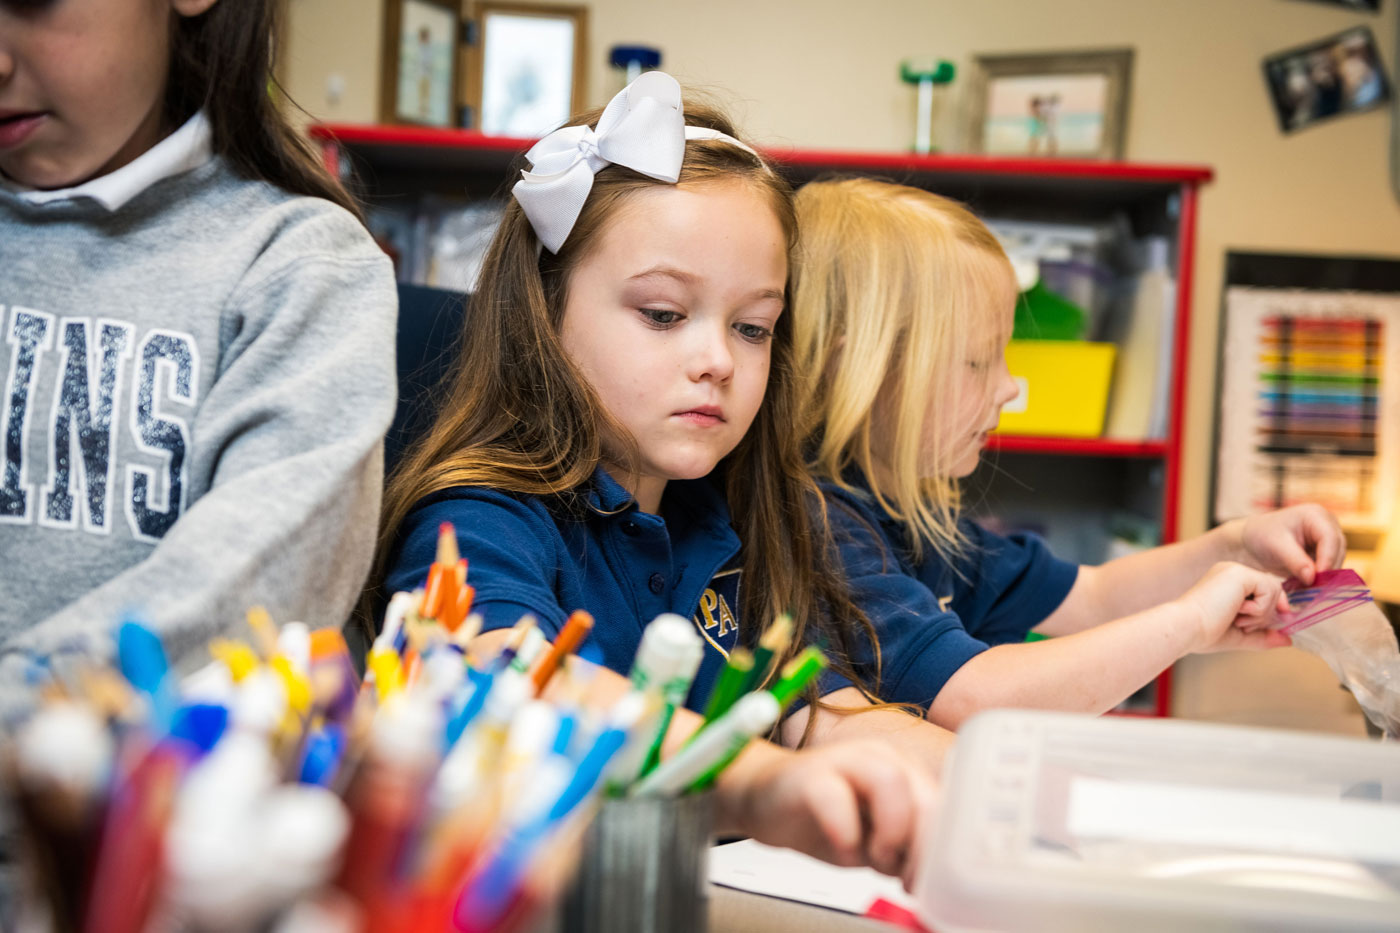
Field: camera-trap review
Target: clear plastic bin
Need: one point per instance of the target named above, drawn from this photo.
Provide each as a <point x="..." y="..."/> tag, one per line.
<point x="1059" y="822"/>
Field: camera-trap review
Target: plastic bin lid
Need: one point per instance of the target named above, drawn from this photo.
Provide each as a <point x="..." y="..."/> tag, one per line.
<point x="1055" y="821"/>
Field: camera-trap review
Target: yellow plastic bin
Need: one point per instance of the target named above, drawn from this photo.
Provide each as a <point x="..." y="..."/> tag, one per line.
<point x="1064" y="387"/>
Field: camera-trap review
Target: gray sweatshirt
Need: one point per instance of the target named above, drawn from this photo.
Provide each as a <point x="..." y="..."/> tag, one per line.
<point x="197" y="374"/>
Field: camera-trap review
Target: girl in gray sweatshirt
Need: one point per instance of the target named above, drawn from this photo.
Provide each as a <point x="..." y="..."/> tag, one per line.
<point x="196" y="334"/>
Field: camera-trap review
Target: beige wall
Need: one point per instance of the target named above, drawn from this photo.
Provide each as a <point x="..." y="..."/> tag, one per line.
<point x="334" y="41"/>
<point x="822" y="73"/>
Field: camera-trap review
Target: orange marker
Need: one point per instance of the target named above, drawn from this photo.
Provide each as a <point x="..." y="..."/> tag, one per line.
<point x="573" y="634"/>
<point x="447" y="555"/>
<point x="456" y="611"/>
<point x="433" y="595"/>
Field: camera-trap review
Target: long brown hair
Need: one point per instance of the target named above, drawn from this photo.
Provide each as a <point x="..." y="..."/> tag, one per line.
<point x="221" y="62"/>
<point x="517" y="415"/>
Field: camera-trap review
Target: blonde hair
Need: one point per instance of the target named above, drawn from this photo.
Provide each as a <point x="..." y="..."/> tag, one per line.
<point x="890" y="293"/>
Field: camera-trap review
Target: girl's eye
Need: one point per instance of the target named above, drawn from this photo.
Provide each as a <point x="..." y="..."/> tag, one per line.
<point x="753" y="332"/>
<point x="660" y="318"/>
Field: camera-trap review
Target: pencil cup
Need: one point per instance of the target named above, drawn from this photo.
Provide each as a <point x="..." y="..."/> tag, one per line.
<point x="645" y="868"/>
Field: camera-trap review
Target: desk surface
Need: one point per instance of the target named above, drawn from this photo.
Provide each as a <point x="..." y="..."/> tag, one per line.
<point x="734" y="911"/>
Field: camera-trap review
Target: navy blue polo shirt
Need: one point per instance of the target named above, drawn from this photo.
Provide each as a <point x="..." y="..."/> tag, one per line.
<point x="623" y="565"/>
<point x="932" y="617"/>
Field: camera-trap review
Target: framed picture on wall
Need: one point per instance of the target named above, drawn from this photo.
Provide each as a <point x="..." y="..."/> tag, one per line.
<point x="1334" y="76"/>
<point x="1309" y="395"/>
<point x="527" y="71"/>
<point x="1368" y="6"/>
<point x="419" y="77"/>
<point x="1066" y="104"/>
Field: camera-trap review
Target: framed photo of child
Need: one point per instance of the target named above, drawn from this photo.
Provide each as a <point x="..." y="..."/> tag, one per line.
<point x="1064" y="104"/>
<point x="419" y="77"/>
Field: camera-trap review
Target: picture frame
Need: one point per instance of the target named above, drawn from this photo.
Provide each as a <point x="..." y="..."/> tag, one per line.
<point x="419" y="75"/>
<point x="1308" y="405"/>
<point x="527" y="68"/>
<point x="1051" y="104"/>
<point x="1361" y="6"/>
<point x="1331" y="77"/>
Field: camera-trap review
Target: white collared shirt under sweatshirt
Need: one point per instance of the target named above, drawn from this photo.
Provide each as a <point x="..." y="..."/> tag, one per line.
<point x="197" y="373"/>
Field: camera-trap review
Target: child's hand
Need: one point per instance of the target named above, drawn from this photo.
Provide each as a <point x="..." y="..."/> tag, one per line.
<point x="1236" y="607"/>
<point x="848" y="803"/>
<point x="1293" y="542"/>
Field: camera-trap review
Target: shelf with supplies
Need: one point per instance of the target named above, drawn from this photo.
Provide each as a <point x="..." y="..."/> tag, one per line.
<point x="1113" y="242"/>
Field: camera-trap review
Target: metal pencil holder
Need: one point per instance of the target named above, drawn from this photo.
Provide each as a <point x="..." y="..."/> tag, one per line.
<point x="644" y="868"/>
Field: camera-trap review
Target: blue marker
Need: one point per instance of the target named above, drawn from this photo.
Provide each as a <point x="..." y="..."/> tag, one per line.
<point x="142" y="660"/>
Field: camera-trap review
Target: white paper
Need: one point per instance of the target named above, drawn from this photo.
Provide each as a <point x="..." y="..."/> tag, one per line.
<point x="1249" y="820"/>
<point x="760" y="869"/>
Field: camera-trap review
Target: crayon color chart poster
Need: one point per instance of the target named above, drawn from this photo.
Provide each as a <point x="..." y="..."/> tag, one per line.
<point x="1308" y="403"/>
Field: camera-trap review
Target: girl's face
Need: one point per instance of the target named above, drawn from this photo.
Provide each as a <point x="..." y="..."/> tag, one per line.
<point x="985" y="383"/>
<point x="670" y="318"/>
<point x="82" y="84"/>
<point x="986" y="386"/>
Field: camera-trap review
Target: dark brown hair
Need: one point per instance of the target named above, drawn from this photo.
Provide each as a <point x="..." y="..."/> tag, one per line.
<point x="518" y="416"/>
<point x="221" y="61"/>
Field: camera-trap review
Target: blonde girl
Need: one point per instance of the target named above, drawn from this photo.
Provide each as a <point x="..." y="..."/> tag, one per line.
<point x="902" y="307"/>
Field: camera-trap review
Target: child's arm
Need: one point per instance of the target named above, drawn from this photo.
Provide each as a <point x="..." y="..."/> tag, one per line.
<point x="1297" y="541"/>
<point x="848" y="802"/>
<point x="1094" y="670"/>
<point x="288" y="440"/>
<point x="847" y="715"/>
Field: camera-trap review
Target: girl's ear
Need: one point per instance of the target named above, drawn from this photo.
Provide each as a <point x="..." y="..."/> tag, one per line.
<point x="191" y="7"/>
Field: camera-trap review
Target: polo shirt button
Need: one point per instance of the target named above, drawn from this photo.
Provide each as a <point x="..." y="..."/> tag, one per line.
<point x="656" y="583"/>
<point x="630" y="528"/>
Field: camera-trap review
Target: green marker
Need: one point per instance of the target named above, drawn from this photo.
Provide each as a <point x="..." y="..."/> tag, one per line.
<point x="797" y="674"/>
<point x="771" y="645"/>
<point x="729" y="686"/>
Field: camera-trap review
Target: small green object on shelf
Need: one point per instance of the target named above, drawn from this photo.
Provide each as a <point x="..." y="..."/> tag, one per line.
<point x="925" y="74"/>
<point x="939" y="72"/>
<point x="1043" y="315"/>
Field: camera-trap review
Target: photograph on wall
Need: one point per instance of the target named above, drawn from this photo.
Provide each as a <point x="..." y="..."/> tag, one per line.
<point x="1335" y="76"/>
<point x="528" y="69"/>
<point x="1069" y="105"/>
<point x="1309" y="403"/>
<point x="426" y="55"/>
<point x="1365" y="6"/>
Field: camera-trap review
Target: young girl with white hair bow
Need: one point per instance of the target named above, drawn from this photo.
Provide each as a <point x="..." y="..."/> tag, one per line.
<point x="618" y="437"/>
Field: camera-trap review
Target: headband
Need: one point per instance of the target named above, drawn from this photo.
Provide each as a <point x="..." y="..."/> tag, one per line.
<point x="642" y="128"/>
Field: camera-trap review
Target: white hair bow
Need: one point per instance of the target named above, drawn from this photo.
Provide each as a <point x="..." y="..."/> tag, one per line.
<point x="642" y="128"/>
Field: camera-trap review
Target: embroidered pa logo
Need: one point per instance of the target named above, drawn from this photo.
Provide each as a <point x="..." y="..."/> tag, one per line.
<point x="717" y="618"/>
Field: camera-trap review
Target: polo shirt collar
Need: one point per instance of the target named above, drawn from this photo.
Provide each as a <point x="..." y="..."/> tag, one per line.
<point x="182" y="151"/>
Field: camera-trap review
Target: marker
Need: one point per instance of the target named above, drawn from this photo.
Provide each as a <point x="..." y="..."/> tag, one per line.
<point x="773" y="643"/>
<point x="797" y="673"/>
<point x="730" y="685"/>
<point x="572" y="635"/>
<point x="514" y="641"/>
<point x="63" y="761"/>
<point x="264" y="632"/>
<point x="143" y="663"/>
<point x="753" y="714"/>
<point x="667" y="658"/>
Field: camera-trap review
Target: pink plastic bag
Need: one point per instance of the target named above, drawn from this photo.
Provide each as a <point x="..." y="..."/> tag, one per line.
<point x="1337" y="620"/>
